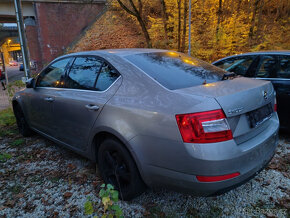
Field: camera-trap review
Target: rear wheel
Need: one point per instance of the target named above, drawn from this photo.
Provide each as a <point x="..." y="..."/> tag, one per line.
<point x="22" y="125"/>
<point x="119" y="169"/>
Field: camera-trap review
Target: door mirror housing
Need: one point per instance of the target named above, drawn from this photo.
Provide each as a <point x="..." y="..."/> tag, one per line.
<point x="30" y="83"/>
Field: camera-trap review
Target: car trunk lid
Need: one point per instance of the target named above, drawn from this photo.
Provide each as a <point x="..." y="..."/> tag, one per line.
<point x="240" y="98"/>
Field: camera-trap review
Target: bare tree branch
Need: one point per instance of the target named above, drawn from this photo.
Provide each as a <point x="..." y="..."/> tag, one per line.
<point x="126" y="9"/>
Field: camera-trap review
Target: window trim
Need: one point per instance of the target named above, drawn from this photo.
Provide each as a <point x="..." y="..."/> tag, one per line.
<point x="96" y="81"/>
<point x="73" y="57"/>
<point x="81" y="90"/>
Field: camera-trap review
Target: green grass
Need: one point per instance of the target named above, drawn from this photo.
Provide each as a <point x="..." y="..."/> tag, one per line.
<point x="8" y="132"/>
<point x="6" y="118"/>
<point x="18" y="142"/>
<point x="12" y="87"/>
<point x="4" y="157"/>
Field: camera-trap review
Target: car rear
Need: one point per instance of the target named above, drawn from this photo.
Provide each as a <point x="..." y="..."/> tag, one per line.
<point x="235" y="142"/>
<point x="220" y="142"/>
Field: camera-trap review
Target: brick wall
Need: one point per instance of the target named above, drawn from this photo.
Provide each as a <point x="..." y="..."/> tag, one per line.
<point x="34" y="46"/>
<point x="57" y="26"/>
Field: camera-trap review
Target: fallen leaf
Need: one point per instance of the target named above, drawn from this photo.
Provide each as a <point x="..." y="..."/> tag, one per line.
<point x="10" y="203"/>
<point x="67" y="195"/>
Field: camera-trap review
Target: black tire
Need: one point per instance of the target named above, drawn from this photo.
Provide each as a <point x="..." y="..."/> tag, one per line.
<point x="119" y="169"/>
<point x="22" y="125"/>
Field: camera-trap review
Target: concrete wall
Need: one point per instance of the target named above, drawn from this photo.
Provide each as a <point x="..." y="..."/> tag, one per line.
<point x="56" y="26"/>
<point x="7" y="9"/>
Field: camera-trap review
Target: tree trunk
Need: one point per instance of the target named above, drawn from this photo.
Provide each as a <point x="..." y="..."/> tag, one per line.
<point x="145" y="32"/>
<point x="259" y="24"/>
<point x="179" y="25"/>
<point x="138" y="14"/>
<point x="253" y="20"/>
<point x="184" y="25"/>
<point x="233" y="43"/>
<point x="165" y="20"/>
<point x="219" y="14"/>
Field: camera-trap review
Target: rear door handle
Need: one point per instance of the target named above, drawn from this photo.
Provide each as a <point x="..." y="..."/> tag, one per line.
<point x="92" y="107"/>
<point x="49" y="99"/>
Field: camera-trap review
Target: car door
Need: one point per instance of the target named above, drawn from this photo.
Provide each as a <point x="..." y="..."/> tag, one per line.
<point x="269" y="69"/>
<point x="282" y="86"/>
<point x="239" y="65"/>
<point x="39" y="100"/>
<point x="77" y="106"/>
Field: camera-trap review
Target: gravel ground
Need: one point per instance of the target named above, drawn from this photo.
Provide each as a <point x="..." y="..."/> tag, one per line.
<point x="41" y="179"/>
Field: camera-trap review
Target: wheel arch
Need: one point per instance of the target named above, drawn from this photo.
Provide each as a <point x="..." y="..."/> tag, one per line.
<point x="102" y="135"/>
<point x="15" y="103"/>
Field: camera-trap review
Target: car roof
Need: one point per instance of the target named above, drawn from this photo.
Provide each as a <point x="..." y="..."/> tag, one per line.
<point x="117" y="52"/>
<point x="280" y="52"/>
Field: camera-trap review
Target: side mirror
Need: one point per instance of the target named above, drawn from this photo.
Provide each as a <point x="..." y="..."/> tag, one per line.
<point x="30" y="83"/>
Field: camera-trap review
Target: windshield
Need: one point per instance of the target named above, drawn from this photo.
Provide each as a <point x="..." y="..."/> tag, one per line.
<point x="175" y="70"/>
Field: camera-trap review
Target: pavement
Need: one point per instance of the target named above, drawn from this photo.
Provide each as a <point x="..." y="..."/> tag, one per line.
<point x="14" y="73"/>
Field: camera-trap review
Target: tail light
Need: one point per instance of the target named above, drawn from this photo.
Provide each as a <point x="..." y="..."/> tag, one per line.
<point x="217" y="178"/>
<point x="204" y="127"/>
<point x="275" y="105"/>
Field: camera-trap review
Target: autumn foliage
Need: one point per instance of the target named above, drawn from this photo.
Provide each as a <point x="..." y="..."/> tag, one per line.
<point x="218" y="27"/>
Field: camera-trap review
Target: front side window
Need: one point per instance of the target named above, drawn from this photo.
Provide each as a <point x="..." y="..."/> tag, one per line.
<point x="83" y="73"/>
<point x="267" y="67"/>
<point x="284" y="69"/>
<point x="53" y="75"/>
<point x="107" y="76"/>
<point x="238" y="65"/>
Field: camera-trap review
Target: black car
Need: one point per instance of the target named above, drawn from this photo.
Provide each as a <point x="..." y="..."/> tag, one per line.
<point x="270" y="65"/>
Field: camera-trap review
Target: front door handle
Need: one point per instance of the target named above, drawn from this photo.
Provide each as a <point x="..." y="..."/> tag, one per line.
<point x="49" y="99"/>
<point x="92" y="107"/>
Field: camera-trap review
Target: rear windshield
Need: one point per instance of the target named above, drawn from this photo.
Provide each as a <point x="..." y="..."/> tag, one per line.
<point x="175" y="70"/>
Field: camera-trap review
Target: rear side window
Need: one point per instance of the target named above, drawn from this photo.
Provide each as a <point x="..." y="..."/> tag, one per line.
<point x="267" y="67"/>
<point x="53" y="75"/>
<point x="175" y="70"/>
<point x="239" y="65"/>
<point x="83" y="73"/>
<point x="106" y="78"/>
<point x="284" y="69"/>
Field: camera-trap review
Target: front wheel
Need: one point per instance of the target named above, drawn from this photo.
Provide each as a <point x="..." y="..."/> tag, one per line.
<point x="119" y="169"/>
<point x="22" y="125"/>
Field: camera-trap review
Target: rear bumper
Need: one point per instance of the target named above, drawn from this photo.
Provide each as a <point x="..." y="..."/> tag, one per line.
<point x="179" y="173"/>
<point x="188" y="182"/>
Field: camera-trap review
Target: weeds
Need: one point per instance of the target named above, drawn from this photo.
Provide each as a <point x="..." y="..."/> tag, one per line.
<point x="4" y="157"/>
<point x="18" y="142"/>
<point x="109" y="198"/>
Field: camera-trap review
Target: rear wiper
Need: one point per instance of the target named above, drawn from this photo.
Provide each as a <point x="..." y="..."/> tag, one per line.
<point x="229" y="75"/>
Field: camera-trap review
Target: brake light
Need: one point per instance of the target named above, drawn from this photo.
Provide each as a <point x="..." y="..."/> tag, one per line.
<point x="275" y="105"/>
<point x="216" y="178"/>
<point x="204" y="127"/>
